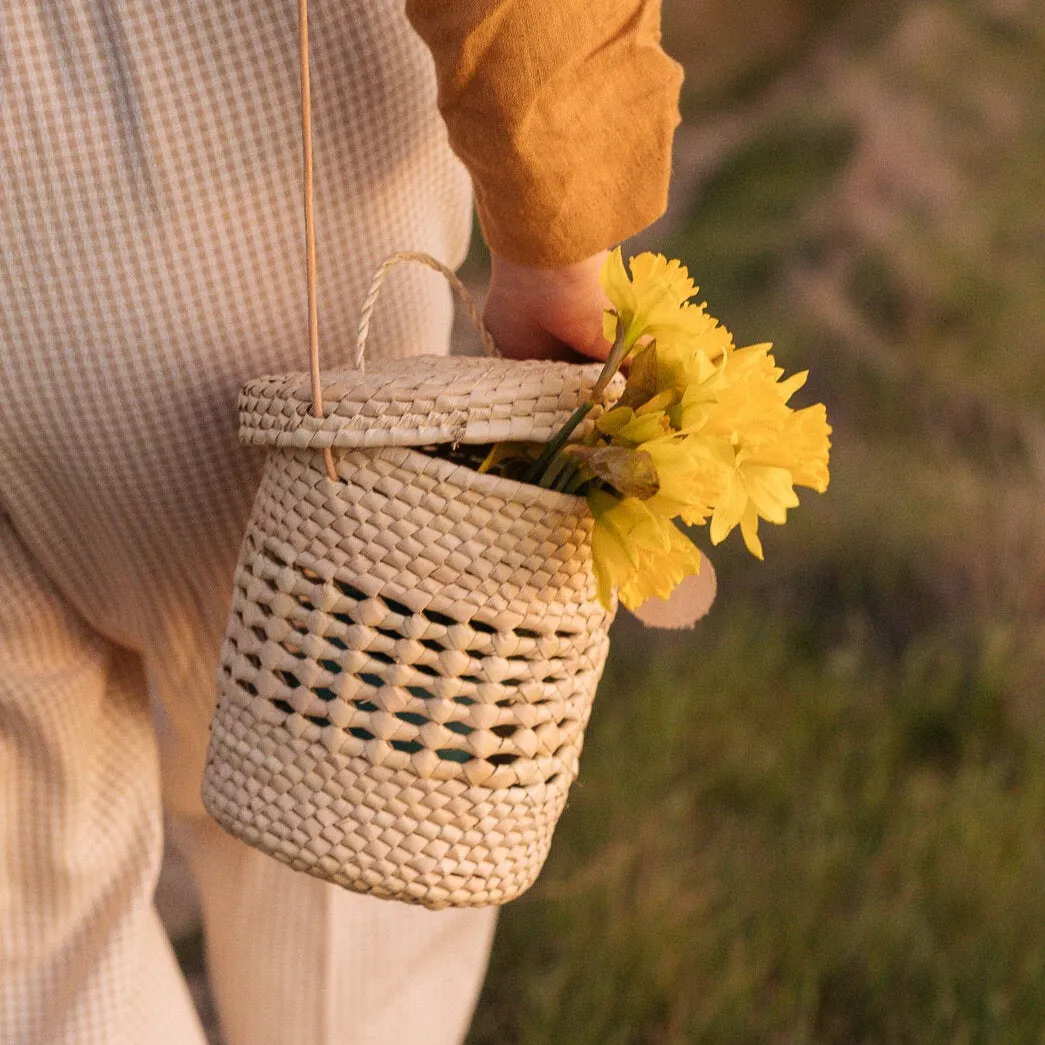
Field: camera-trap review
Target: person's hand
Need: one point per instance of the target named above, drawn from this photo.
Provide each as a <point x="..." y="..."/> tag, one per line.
<point x="550" y="313"/>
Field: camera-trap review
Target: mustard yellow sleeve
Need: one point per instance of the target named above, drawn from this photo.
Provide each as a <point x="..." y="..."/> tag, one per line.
<point x="563" y="111"/>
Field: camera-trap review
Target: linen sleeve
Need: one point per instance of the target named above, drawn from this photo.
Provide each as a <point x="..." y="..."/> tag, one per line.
<point x="563" y="111"/>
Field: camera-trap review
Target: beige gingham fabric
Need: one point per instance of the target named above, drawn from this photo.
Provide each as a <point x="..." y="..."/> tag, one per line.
<point x="150" y="263"/>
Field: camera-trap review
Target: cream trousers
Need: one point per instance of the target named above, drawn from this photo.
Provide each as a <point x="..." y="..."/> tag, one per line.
<point x="151" y="260"/>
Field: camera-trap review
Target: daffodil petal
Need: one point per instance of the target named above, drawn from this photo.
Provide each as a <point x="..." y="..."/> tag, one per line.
<point x="729" y="511"/>
<point x="770" y="491"/>
<point x="749" y="531"/>
<point x="611" y="422"/>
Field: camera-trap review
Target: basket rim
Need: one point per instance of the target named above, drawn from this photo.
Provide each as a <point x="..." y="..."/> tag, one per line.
<point x="419" y="400"/>
<point x="482" y="482"/>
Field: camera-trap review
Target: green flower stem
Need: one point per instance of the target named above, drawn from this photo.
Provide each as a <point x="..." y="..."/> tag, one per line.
<point x="568" y="476"/>
<point x="557" y="443"/>
<point x="553" y="472"/>
<point x="618" y="353"/>
<point x="579" y="478"/>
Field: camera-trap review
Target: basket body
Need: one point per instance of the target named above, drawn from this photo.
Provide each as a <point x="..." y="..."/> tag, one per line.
<point x="408" y="669"/>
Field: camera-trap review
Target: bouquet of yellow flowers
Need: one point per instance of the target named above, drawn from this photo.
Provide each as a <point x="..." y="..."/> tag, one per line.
<point x="702" y="433"/>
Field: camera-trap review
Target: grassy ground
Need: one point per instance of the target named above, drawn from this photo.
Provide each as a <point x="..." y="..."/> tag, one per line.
<point x="821" y="817"/>
<point x="788" y="847"/>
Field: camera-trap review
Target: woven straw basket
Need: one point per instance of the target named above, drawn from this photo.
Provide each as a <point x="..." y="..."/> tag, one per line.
<point x="413" y="647"/>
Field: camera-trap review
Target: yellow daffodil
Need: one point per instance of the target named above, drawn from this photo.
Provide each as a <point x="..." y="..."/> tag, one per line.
<point x="803" y="446"/>
<point x="642" y="427"/>
<point x="752" y="491"/>
<point x="691" y="479"/>
<point x="702" y="433"/>
<point x="509" y="451"/>
<point x="613" y="421"/>
<point x="766" y="467"/>
<point x="636" y="551"/>
<point x="741" y="400"/>
<point x="624" y="426"/>
<point x="652" y="301"/>
<point x="681" y="369"/>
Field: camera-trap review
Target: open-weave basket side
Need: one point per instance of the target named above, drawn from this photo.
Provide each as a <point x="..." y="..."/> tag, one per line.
<point x="502" y="707"/>
<point x="419" y="620"/>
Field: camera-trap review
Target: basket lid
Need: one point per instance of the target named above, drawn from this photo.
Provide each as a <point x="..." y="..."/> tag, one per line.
<point x="418" y="401"/>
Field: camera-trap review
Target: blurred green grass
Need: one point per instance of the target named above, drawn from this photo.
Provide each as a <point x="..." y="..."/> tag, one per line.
<point x="821" y="816"/>
<point x="787" y="846"/>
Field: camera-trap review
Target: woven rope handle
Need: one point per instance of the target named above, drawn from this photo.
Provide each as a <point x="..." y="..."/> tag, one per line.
<point x="367" y="311"/>
<point x="310" y="228"/>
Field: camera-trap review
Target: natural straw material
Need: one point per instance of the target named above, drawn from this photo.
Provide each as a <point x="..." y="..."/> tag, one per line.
<point x="418" y="401"/>
<point x="366" y="310"/>
<point x="413" y="649"/>
<point x="310" y="222"/>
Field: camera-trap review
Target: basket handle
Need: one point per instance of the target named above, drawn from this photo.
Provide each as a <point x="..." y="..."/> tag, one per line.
<point x="310" y="228"/>
<point x="367" y="311"/>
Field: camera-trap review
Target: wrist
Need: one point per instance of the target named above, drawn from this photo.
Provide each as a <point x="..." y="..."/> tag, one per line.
<point x="537" y="280"/>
